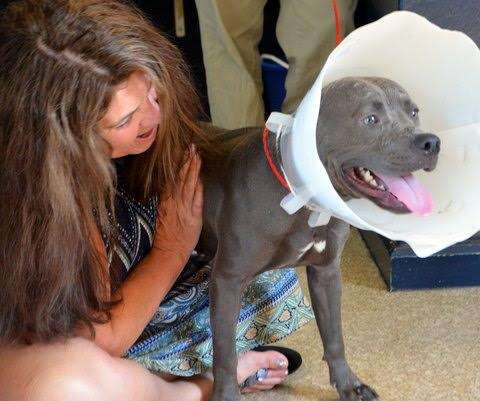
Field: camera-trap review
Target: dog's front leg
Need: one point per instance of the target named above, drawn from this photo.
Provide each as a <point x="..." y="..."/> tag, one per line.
<point x="324" y="282"/>
<point x="225" y="301"/>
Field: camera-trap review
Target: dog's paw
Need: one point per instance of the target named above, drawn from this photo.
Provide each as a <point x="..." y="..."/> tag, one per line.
<point x="365" y="393"/>
<point x="361" y="392"/>
<point x="348" y="385"/>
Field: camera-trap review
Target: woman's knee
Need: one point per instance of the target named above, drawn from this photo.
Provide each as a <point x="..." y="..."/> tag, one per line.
<point x="56" y="384"/>
<point x="73" y="370"/>
<point x="79" y="369"/>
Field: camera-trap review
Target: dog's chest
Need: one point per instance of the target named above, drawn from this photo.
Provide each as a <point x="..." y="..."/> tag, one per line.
<point x="317" y="245"/>
<point x="303" y="244"/>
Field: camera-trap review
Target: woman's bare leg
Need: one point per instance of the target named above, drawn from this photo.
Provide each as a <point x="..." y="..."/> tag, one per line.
<point x="78" y="370"/>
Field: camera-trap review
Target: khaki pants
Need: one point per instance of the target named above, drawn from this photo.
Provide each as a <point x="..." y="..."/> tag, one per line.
<point x="231" y="31"/>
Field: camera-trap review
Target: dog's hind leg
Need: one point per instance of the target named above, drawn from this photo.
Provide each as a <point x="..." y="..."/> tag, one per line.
<point x="324" y="282"/>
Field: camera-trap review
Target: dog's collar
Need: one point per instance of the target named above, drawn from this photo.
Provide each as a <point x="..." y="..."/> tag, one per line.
<point x="270" y="159"/>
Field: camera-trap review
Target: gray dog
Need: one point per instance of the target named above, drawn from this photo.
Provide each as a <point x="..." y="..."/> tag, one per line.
<point x="367" y="128"/>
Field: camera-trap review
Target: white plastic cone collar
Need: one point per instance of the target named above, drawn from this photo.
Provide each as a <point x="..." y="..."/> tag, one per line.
<point x="440" y="70"/>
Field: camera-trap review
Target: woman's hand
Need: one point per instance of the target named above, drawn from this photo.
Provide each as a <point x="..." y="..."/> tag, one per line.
<point x="179" y="218"/>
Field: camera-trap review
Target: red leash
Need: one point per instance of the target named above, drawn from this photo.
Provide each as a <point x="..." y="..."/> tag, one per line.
<point x="338" y="29"/>
<point x="266" y="149"/>
<point x="272" y="165"/>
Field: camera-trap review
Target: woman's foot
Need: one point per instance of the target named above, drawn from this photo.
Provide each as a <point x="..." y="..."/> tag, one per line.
<point x="275" y="363"/>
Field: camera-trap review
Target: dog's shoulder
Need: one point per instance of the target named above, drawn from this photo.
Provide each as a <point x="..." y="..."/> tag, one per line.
<point x="222" y="145"/>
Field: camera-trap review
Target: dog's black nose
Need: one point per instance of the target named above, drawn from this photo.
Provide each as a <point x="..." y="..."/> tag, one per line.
<point x="427" y="143"/>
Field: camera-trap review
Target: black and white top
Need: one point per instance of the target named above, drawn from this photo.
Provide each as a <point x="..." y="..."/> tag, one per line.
<point x="135" y="223"/>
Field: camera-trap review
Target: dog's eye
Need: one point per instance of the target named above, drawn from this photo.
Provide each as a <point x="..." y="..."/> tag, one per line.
<point x="370" y="120"/>
<point x="415" y="112"/>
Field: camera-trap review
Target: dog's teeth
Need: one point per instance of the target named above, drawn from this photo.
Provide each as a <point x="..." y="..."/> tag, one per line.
<point x="366" y="175"/>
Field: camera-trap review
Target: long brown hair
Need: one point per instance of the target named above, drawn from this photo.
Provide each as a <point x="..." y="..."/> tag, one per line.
<point x="60" y="61"/>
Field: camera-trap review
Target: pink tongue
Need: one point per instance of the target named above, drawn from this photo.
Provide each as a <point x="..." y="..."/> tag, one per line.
<point x="409" y="191"/>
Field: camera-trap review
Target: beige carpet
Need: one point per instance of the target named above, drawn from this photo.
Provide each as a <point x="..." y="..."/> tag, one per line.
<point x="409" y="346"/>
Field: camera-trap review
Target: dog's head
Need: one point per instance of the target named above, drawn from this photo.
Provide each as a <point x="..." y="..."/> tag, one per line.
<point x="369" y="142"/>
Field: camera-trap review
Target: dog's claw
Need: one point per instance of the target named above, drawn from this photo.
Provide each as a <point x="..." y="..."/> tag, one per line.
<point x="360" y="392"/>
<point x="366" y="393"/>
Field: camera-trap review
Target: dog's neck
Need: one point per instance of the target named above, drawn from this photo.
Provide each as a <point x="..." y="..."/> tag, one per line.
<point x="272" y="149"/>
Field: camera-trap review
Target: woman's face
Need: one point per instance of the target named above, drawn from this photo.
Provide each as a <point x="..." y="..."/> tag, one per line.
<point x="132" y="118"/>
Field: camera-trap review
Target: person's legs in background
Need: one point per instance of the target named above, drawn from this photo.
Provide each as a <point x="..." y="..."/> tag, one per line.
<point x="306" y="33"/>
<point x="231" y="31"/>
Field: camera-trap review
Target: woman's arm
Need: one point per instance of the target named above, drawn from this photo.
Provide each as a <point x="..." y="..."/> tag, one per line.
<point x="177" y="232"/>
<point x="142" y="292"/>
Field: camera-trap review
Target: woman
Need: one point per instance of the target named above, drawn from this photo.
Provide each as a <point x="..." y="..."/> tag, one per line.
<point x="97" y="126"/>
